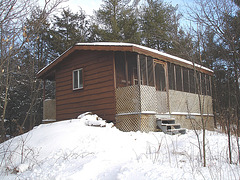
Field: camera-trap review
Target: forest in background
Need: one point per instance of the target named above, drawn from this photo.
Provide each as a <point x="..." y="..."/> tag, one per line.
<point x="32" y="36"/>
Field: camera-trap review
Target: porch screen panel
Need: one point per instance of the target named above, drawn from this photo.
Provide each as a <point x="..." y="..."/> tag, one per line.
<point x="208" y="86"/>
<point x="120" y="69"/>
<point x="160" y="77"/>
<point x="203" y="81"/>
<point x="150" y="71"/>
<point x="192" y="81"/>
<point x="132" y="69"/>
<point x="198" y="83"/>
<point x="171" y="76"/>
<point x="143" y="70"/>
<point x="178" y="78"/>
<point x="185" y="80"/>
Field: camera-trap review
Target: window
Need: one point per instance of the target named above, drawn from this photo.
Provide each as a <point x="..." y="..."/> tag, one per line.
<point x="77" y="79"/>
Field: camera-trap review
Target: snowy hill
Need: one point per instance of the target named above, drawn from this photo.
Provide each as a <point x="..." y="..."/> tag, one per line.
<point x="88" y="148"/>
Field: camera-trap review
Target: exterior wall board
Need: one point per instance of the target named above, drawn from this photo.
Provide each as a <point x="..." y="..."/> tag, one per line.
<point x="189" y="103"/>
<point x="49" y="109"/>
<point x="185" y="109"/>
<point x="127" y="99"/>
<point x="136" y="108"/>
<point x="136" y="122"/>
<point x="148" y="98"/>
<point x="97" y="74"/>
<point x="162" y="105"/>
<point x="195" y="122"/>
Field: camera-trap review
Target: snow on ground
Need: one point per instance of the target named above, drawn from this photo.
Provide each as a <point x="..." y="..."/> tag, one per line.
<point x="89" y="148"/>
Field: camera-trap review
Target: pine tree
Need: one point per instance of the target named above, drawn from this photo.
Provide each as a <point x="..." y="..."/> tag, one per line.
<point x="116" y="20"/>
<point x="158" y="22"/>
<point x="68" y="28"/>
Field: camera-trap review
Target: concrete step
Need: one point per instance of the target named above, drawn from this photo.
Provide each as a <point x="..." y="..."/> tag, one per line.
<point x="172" y="126"/>
<point x="168" y="121"/>
<point x="176" y="131"/>
<point x="168" y="126"/>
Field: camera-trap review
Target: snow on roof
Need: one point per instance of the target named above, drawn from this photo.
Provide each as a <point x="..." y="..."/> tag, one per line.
<point x="145" y="48"/>
<point x="119" y="44"/>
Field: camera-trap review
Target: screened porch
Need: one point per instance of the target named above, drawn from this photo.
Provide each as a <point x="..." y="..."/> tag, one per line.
<point x="148" y="87"/>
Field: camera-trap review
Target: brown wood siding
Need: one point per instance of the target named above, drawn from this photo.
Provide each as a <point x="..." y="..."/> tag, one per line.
<point x="97" y="94"/>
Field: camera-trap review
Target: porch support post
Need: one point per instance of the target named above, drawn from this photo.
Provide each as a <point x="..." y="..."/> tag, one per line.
<point x="114" y="71"/>
<point x="167" y="87"/>
<point x="146" y="66"/>
<point x="139" y="90"/>
<point x="182" y="78"/>
<point x="154" y="75"/>
<point x="138" y="70"/>
<point x="175" y="83"/>
<point x="210" y="84"/>
<point x="188" y="81"/>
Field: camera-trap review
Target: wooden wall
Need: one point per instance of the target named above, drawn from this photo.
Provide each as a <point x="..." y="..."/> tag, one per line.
<point x="97" y="95"/>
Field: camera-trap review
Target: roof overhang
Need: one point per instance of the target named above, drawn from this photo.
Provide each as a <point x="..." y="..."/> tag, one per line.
<point x="47" y="71"/>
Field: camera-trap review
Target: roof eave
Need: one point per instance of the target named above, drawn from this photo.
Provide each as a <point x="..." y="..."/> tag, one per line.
<point x="43" y="73"/>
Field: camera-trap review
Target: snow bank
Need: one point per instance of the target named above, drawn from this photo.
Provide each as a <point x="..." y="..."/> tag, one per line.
<point x="92" y="119"/>
<point x="74" y="149"/>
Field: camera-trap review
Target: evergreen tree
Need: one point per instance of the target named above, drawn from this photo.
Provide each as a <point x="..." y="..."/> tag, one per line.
<point x="181" y="45"/>
<point x="116" y="20"/>
<point x="158" y="24"/>
<point x="68" y="28"/>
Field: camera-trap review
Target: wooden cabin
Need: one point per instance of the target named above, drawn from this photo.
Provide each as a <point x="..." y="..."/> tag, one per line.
<point x="130" y="85"/>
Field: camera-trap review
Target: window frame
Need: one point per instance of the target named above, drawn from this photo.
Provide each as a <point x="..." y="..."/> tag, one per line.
<point x="80" y="76"/>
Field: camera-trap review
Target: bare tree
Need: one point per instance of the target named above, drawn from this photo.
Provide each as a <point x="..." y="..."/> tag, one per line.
<point x="222" y="16"/>
<point x="13" y="15"/>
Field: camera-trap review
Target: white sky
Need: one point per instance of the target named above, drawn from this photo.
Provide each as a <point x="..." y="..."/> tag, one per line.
<point x="89" y="5"/>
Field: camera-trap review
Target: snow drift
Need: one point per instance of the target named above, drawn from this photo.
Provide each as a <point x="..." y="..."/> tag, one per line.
<point x="89" y="148"/>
